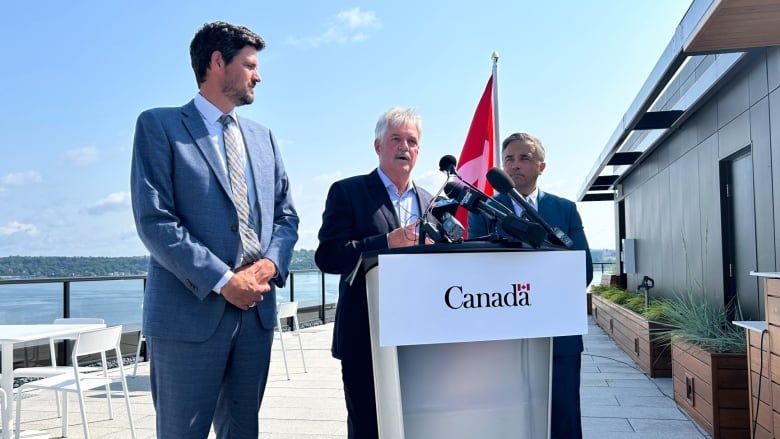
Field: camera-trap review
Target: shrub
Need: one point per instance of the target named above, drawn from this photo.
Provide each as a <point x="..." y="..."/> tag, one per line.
<point x="616" y="295"/>
<point x="655" y="312"/>
<point x="698" y="321"/>
<point x="636" y="304"/>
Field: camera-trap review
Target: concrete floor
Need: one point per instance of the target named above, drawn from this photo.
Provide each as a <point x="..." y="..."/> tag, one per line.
<point x="618" y="400"/>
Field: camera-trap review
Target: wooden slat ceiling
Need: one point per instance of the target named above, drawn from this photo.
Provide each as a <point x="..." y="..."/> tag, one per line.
<point x="736" y="25"/>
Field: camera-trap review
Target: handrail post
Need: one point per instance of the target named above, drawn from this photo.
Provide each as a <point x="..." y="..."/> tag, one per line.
<point x="65" y="351"/>
<point x="292" y="298"/>
<point x="322" y="292"/>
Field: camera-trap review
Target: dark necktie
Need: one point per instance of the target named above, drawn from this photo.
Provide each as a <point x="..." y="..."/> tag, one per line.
<point x="234" y="149"/>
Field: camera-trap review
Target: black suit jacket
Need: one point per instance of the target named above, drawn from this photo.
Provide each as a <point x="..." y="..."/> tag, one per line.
<point x="358" y="216"/>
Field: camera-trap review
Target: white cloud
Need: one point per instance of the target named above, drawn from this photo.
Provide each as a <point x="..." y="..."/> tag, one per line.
<point x="355" y="18"/>
<point x="348" y="27"/>
<point x="21" y="178"/>
<point x="113" y="202"/>
<point x="15" y="227"/>
<point x="82" y="156"/>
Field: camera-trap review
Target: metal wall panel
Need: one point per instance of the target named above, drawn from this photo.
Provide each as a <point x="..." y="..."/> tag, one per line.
<point x="672" y="200"/>
<point x="757" y="80"/>
<point x="774" y="128"/>
<point x="773" y="68"/>
<point x="762" y="182"/>
<point x="733" y="100"/>
<point x="735" y="135"/>
<point x="706" y="122"/>
<point x="711" y="241"/>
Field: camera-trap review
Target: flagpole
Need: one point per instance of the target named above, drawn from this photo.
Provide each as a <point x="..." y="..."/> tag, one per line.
<point x="496" y="139"/>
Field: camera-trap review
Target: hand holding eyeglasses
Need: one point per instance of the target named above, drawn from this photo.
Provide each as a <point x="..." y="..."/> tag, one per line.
<point x="403" y="236"/>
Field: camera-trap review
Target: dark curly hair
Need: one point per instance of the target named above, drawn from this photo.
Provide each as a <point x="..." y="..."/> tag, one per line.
<point x="227" y="38"/>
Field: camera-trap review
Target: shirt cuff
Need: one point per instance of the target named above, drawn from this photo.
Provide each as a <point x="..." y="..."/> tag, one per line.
<point x="225" y="278"/>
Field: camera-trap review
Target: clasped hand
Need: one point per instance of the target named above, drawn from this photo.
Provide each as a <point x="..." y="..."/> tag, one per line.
<point x="249" y="283"/>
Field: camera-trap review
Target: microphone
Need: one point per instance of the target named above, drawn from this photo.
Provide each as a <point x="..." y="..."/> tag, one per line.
<point x="451" y="229"/>
<point x="447" y="164"/>
<point x="477" y="202"/>
<point x="502" y="182"/>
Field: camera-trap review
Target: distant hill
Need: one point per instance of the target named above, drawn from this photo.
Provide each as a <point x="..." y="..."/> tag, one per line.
<point x="62" y="266"/>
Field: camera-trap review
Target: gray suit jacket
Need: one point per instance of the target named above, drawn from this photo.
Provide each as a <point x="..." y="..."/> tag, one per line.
<point x="185" y="216"/>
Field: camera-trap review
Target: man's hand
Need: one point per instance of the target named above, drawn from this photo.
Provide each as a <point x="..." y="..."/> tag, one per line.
<point x="403" y="237"/>
<point x="248" y="285"/>
<point x="264" y="270"/>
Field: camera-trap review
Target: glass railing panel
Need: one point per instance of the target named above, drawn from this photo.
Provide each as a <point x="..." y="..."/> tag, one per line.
<point x="30" y="303"/>
<point x="118" y="302"/>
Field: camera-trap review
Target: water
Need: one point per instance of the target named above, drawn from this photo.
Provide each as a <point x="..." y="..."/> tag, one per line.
<point x="118" y="302"/>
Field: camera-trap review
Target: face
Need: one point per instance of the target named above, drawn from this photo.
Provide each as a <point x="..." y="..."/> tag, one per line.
<point x="397" y="151"/>
<point x="522" y="164"/>
<point x="241" y="76"/>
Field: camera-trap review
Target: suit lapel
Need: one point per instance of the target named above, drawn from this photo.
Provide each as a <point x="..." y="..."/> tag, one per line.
<point x="259" y="159"/>
<point x="541" y="204"/>
<point x="379" y="192"/>
<point x="193" y="122"/>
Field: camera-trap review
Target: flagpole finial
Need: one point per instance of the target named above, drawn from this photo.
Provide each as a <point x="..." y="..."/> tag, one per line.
<point x="494" y="56"/>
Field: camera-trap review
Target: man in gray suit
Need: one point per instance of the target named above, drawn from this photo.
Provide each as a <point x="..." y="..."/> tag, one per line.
<point x="523" y="157"/>
<point x="212" y="204"/>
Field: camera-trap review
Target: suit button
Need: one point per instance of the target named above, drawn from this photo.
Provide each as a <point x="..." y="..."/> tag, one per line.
<point x="234" y="228"/>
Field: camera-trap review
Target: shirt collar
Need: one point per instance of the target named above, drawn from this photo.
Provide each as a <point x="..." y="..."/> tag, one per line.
<point x="390" y="186"/>
<point x="534" y="196"/>
<point x="208" y="111"/>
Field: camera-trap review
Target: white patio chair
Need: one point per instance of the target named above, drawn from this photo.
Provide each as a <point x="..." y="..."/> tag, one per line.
<point x="3" y="403"/>
<point x="87" y="343"/>
<point x="141" y="339"/>
<point x="289" y="310"/>
<point x="54" y="369"/>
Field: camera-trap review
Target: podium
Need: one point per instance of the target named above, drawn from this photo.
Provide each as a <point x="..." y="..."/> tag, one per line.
<point x="460" y="337"/>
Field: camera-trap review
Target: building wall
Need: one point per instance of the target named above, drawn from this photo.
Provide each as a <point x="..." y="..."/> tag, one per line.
<point x="672" y="199"/>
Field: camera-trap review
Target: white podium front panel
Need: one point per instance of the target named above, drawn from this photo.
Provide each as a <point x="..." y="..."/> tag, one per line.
<point x="493" y="389"/>
<point x="461" y="297"/>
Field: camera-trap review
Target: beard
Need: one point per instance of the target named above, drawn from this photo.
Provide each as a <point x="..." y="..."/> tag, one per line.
<point x="239" y="95"/>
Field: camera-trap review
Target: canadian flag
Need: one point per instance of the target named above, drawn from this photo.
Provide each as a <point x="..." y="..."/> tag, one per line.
<point x="476" y="158"/>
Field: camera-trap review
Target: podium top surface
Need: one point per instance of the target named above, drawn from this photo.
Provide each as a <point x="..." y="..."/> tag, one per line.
<point x="368" y="259"/>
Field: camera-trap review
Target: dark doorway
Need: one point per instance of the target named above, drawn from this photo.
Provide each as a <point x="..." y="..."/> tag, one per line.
<point x="739" y="235"/>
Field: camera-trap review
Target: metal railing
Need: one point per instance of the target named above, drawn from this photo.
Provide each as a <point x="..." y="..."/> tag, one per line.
<point x="322" y="311"/>
<point x="302" y="285"/>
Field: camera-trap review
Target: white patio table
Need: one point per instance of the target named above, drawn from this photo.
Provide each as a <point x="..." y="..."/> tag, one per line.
<point x="13" y="334"/>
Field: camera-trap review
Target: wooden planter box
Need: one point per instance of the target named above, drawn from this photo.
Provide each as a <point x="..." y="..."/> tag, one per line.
<point x="634" y="334"/>
<point x="713" y="389"/>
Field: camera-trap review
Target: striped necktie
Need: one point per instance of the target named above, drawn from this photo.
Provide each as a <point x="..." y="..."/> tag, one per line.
<point x="236" y="159"/>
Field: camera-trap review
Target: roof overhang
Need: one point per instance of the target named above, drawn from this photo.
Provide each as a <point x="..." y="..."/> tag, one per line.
<point x="730" y="27"/>
<point x="736" y="25"/>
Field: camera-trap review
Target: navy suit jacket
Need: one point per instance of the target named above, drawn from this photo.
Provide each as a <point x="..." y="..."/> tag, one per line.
<point x="358" y="216"/>
<point x="185" y="216"/>
<point x="557" y="212"/>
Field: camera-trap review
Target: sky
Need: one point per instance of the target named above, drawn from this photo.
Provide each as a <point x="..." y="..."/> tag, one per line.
<point x="77" y="75"/>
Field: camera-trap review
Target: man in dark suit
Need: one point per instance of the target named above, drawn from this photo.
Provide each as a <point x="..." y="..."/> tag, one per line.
<point x="212" y="204"/>
<point x="523" y="159"/>
<point x="369" y="212"/>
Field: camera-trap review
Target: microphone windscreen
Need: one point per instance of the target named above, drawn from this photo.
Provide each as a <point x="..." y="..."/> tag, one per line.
<point x="453" y="190"/>
<point x="447" y="163"/>
<point x="500" y="180"/>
